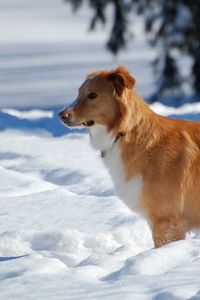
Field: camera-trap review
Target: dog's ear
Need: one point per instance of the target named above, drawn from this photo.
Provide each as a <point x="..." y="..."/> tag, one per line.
<point x="92" y="74"/>
<point x="121" y="79"/>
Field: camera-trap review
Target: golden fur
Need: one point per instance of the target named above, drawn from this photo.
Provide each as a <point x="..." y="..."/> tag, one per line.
<point x="166" y="152"/>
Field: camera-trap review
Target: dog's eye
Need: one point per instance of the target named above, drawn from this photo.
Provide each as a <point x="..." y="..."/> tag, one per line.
<point x="92" y="95"/>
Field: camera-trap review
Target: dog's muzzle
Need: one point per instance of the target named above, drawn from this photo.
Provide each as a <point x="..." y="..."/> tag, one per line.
<point x="67" y="118"/>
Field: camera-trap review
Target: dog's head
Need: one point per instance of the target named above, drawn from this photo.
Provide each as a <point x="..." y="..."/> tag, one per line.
<point x="99" y="99"/>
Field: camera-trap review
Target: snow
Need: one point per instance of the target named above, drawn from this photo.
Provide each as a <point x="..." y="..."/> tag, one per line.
<point x="33" y="114"/>
<point x="46" y="51"/>
<point x="184" y="109"/>
<point x="64" y="235"/>
<point x="63" y="232"/>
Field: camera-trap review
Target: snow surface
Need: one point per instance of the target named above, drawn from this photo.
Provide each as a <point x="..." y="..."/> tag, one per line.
<point x="63" y="232"/>
<point x="33" y="114"/>
<point x="64" y="235"/>
<point x="46" y="52"/>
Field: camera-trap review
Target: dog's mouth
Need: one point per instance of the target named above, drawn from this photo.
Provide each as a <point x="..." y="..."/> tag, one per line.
<point x="88" y="123"/>
<point x="83" y="124"/>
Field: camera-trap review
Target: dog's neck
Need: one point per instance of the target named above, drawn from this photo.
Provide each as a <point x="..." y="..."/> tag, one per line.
<point x="118" y="136"/>
<point x="135" y="122"/>
<point x="102" y="140"/>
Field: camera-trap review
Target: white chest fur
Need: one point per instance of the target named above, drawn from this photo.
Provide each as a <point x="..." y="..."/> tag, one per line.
<point x="128" y="191"/>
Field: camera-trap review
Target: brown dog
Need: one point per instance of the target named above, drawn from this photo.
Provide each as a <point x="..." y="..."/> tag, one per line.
<point x="154" y="161"/>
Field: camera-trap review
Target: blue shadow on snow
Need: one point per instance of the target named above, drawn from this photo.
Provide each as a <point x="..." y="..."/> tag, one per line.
<point x="51" y="125"/>
<point x="2" y="258"/>
<point x="54" y="126"/>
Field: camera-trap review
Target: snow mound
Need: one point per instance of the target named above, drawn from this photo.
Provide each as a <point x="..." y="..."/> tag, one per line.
<point x="31" y="114"/>
<point x="189" y="108"/>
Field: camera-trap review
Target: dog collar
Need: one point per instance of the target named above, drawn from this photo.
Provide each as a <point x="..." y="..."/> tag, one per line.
<point x="118" y="136"/>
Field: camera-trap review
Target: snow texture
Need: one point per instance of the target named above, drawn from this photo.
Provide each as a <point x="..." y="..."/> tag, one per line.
<point x="63" y="232"/>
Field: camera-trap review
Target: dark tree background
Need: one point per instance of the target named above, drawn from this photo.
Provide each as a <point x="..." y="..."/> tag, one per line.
<point x="171" y="24"/>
